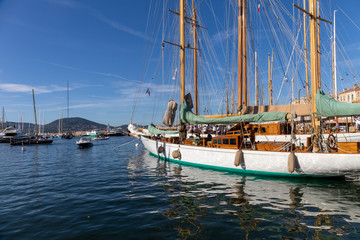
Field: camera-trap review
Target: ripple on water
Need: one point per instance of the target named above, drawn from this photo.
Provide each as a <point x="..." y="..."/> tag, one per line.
<point x="61" y="192"/>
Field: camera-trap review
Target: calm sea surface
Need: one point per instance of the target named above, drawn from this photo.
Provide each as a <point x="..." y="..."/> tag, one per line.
<point x="120" y="192"/>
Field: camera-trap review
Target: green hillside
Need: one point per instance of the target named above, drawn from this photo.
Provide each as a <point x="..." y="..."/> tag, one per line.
<point x="69" y="124"/>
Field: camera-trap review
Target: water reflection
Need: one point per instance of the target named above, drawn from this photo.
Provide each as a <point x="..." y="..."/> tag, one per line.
<point x="256" y="207"/>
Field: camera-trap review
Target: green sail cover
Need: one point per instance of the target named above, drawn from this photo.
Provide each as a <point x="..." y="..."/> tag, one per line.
<point x="326" y="106"/>
<point x="187" y="116"/>
<point x="153" y="130"/>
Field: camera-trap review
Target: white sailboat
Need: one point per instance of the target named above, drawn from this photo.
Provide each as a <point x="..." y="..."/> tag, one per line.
<point x="241" y="153"/>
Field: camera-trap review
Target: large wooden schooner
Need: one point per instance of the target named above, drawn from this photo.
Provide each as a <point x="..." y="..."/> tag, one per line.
<point x="238" y="150"/>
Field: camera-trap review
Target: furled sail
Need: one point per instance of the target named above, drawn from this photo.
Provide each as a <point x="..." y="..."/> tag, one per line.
<point x="187" y="116"/>
<point x="170" y="113"/>
<point x="153" y="130"/>
<point x="326" y="106"/>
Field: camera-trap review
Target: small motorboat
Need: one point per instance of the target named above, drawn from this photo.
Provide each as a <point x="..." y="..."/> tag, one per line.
<point x="102" y="137"/>
<point x="84" y="143"/>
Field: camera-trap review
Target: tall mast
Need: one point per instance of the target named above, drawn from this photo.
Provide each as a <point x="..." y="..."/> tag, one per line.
<point x="62" y="123"/>
<point x="318" y="44"/>
<point x="262" y="94"/>
<point x="182" y="50"/>
<point x="36" y="128"/>
<point x="306" y="59"/>
<point x="270" y="78"/>
<point x="240" y="72"/>
<point x="195" y="59"/>
<point x="2" y="120"/>
<point x="244" y="53"/>
<point x="256" y="82"/>
<point x="182" y="129"/>
<point x="314" y="60"/>
<point x="232" y="101"/>
<point x="59" y="124"/>
<point x="335" y="80"/>
<point x="67" y="122"/>
<point x="227" y="99"/>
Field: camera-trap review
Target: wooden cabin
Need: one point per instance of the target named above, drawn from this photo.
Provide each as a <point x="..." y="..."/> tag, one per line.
<point x="276" y="128"/>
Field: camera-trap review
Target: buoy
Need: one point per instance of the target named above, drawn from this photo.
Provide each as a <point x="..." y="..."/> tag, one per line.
<point x="160" y="149"/>
<point x="292" y="159"/>
<point x="22" y="148"/>
<point x="136" y="145"/>
<point x="239" y="158"/>
<point x="176" y="154"/>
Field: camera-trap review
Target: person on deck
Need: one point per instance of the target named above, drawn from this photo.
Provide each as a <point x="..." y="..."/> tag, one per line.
<point x="357" y="123"/>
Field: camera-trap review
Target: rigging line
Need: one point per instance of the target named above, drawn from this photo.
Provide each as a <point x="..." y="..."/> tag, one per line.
<point x="156" y="91"/>
<point x="217" y="22"/>
<point x="125" y="143"/>
<point x="163" y="48"/>
<point x="227" y="53"/>
<point x="136" y="99"/>
<point x="211" y="52"/>
<point x="295" y="88"/>
<point x="286" y="29"/>
<point x="347" y="60"/>
<point x="349" y="18"/>
<point x="274" y="37"/>
<point x="287" y="68"/>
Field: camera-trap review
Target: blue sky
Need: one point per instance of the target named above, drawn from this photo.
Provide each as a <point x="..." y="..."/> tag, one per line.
<point x="102" y="47"/>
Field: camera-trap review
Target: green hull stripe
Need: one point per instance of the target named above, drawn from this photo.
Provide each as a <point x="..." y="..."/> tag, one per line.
<point x="242" y="171"/>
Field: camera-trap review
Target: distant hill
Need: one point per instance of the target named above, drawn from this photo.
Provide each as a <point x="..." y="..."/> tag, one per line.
<point x="73" y="125"/>
<point x="69" y="124"/>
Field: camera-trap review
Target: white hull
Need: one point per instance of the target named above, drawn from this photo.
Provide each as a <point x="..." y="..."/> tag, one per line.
<point x="259" y="162"/>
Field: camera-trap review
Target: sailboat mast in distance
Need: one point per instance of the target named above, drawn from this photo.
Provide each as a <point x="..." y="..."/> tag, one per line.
<point x="2" y="120"/>
<point x="67" y="105"/>
<point x="36" y="128"/>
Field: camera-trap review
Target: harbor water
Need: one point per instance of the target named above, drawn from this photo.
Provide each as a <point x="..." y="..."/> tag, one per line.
<point x="115" y="190"/>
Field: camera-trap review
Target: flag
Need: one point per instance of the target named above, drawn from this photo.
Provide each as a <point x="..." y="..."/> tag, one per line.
<point x="259" y="7"/>
<point x="163" y="46"/>
<point x="148" y="91"/>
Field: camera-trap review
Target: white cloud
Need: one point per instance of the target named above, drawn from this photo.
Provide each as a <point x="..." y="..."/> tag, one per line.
<point x="89" y="105"/>
<point x="222" y="35"/>
<point x="22" y="88"/>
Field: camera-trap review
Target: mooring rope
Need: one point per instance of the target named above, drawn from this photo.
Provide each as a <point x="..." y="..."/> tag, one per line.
<point x="125" y="143"/>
